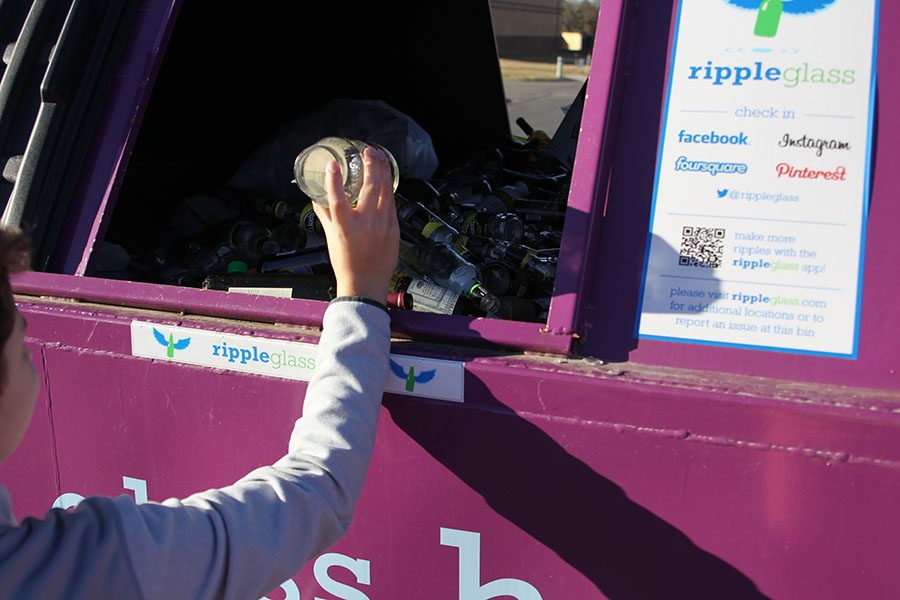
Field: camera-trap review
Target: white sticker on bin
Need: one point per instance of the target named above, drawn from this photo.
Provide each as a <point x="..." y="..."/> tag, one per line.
<point x="409" y="375"/>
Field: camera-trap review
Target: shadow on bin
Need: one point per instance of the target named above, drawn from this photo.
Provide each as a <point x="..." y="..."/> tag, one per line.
<point x="586" y="519"/>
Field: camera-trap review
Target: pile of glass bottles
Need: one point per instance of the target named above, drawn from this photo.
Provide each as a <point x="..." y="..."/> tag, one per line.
<point x="479" y="239"/>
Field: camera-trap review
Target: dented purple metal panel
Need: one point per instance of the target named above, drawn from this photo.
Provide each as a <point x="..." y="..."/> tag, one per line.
<point x="677" y="471"/>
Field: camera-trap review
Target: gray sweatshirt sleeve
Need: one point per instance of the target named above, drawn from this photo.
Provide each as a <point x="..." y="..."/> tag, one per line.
<point x="236" y="542"/>
<point x="244" y="540"/>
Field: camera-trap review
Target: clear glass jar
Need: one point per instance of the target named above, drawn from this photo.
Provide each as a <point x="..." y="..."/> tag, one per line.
<point x="309" y="167"/>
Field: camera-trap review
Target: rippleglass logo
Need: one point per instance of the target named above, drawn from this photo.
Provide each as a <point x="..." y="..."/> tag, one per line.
<point x="768" y="12"/>
<point x="170" y="343"/>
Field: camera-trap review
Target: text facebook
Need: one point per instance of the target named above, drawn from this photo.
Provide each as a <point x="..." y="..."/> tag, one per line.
<point x="737" y="139"/>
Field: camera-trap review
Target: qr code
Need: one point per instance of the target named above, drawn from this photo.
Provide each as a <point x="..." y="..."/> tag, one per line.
<point x="702" y="247"/>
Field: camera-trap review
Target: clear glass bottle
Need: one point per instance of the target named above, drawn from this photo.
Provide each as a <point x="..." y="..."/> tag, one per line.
<point x="290" y="237"/>
<point x="414" y="216"/>
<point x="252" y="240"/>
<point x="500" y="226"/>
<point x="540" y="268"/>
<point x="310" y="165"/>
<point x="427" y="297"/>
<point x="450" y="270"/>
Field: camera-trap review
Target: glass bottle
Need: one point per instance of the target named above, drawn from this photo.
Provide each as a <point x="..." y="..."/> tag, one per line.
<point x="414" y="216"/>
<point x="289" y="237"/>
<point x="426" y="296"/>
<point x="540" y="211"/>
<point x="252" y="239"/>
<point x="512" y="192"/>
<point x="536" y="137"/>
<point x="500" y="226"/>
<point x="491" y="204"/>
<point x="310" y="167"/>
<point x="400" y="300"/>
<point x="309" y="221"/>
<point x="448" y="269"/>
<point x="291" y="211"/>
<point x="305" y="262"/>
<point x="283" y="210"/>
<point x="500" y="280"/>
<point x="540" y="268"/>
<point x="419" y="190"/>
<point x="201" y="261"/>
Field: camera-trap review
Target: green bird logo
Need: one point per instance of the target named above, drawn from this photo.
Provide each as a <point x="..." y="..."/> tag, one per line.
<point x="411" y="378"/>
<point x="170" y="344"/>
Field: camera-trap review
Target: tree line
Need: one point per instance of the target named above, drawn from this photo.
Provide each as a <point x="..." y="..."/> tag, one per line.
<point x="580" y="17"/>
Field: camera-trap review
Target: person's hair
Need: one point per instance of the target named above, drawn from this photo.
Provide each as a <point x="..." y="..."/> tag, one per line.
<point x="14" y="257"/>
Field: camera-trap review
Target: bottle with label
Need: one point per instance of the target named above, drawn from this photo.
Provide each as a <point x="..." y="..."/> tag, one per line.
<point x="283" y="210"/>
<point x="539" y="268"/>
<point x="309" y="221"/>
<point x="291" y="211"/>
<point x="500" y="226"/>
<point x="448" y="269"/>
<point x="252" y="240"/>
<point x="426" y="296"/>
<point x="467" y="192"/>
<point x="414" y="216"/>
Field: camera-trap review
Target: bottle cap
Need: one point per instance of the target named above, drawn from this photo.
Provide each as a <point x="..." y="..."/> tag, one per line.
<point x="237" y="266"/>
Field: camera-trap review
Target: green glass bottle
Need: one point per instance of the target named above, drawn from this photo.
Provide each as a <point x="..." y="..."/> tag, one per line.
<point x="768" y="17"/>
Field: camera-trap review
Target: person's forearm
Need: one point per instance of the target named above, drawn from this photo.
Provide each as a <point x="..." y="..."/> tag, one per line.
<point x="247" y="538"/>
<point x="340" y="412"/>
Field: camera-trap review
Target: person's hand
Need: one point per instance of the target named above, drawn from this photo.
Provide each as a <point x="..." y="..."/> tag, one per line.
<point x="363" y="241"/>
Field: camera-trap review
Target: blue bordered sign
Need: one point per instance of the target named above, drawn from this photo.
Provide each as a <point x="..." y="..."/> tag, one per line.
<point x="760" y="199"/>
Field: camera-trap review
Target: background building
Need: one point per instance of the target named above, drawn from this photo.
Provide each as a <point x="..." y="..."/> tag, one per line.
<point x="528" y="29"/>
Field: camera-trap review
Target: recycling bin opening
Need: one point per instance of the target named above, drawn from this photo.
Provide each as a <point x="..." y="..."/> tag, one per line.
<point x="207" y="199"/>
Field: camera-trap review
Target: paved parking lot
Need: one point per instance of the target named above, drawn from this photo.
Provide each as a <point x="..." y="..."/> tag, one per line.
<point x="540" y="102"/>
